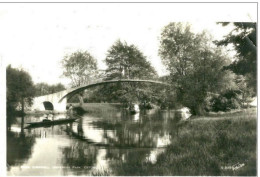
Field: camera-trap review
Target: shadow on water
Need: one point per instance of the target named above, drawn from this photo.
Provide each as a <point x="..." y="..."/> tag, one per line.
<point x="124" y="130"/>
<point x="80" y="157"/>
<point x="127" y="139"/>
<point x="19" y="145"/>
<point x="92" y="143"/>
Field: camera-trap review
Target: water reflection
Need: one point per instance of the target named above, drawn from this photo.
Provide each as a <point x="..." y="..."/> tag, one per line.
<point x="129" y="131"/>
<point x="19" y="148"/>
<point x="93" y="142"/>
<point x="80" y="156"/>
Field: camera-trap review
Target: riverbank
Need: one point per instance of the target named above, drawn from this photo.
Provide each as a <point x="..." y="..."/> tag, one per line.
<point x="223" y="144"/>
<point x="98" y="107"/>
<point x="86" y="107"/>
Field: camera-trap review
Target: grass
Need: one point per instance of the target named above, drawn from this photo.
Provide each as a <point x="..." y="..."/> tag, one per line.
<point x="212" y="145"/>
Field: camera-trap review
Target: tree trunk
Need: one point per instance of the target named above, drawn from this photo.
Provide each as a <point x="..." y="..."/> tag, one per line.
<point x="199" y="109"/>
<point x="22" y="124"/>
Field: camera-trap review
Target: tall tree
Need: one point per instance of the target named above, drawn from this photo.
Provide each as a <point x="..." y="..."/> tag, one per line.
<point x="80" y="67"/>
<point x="243" y="38"/>
<point x="126" y="62"/>
<point x="176" y="45"/>
<point x="195" y="65"/>
<point x="20" y="88"/>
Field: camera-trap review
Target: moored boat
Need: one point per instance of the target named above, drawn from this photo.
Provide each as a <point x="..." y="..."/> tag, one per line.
<point x="182" y="114"/>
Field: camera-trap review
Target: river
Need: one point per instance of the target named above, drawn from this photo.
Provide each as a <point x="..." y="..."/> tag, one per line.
<point x="97" y="142"/>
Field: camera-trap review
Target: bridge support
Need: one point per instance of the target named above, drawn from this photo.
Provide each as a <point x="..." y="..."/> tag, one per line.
<point x="38" y="102"/>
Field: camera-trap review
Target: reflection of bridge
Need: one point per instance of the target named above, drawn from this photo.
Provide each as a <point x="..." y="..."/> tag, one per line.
<point x="58" y="101"/>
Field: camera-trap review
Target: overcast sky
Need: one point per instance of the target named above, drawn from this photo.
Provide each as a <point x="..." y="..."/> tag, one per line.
<point x="37" y="36"/>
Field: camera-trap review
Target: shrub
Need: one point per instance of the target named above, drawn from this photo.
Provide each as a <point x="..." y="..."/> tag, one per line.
<point x="225" y="102"/>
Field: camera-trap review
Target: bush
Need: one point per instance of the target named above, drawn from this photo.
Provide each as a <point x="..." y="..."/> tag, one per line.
<point x="146" y="106"/>
<point x="225" y="102"/>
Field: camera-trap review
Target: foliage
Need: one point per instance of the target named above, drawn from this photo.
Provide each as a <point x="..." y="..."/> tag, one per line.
<point x="234" y="98"/>
<point x="225" y="102"/>
<point x="195" y="65"/>
<point x="176" y="45"/>
<point x="243" y="38"/>
<point x="20" y="88"/>
<point x="45" y="89"/>
<point x="80" y="67"/>
<point x="126" y="62"/>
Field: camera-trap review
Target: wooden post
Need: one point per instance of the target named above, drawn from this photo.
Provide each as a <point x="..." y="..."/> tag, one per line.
<point x="22" y="105"/>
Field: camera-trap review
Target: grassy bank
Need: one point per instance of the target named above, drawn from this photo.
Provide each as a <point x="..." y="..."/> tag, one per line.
<point x="213" y="146"/>
<point x="220" y="145"/>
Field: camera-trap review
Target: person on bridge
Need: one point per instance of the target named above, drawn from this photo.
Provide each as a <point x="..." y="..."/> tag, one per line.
<point x="70" y="111"/>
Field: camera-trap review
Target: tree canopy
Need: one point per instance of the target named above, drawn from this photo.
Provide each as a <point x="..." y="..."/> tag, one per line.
<point x="195" y="65"/>
<point x="20" y="88"/>
<point x="80" y="67"/>
<point x="243" y="38"/>
<point x="45" y="89"/>
<point x="127" y="62"/>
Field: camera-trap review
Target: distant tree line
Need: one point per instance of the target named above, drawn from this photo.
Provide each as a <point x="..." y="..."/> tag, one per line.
<point x="45" y="89"/>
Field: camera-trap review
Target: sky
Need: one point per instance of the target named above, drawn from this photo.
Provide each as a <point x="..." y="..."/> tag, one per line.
<point x="37" y="36"/>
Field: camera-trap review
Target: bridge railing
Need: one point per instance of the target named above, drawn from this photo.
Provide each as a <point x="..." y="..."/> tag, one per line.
<point x="76" y="90"/>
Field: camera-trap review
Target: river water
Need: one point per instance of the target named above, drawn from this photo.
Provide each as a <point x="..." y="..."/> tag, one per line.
<point x="92" y="144"/>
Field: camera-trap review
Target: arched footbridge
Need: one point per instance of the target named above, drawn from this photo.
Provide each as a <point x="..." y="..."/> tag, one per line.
<point x="58" y="101"/>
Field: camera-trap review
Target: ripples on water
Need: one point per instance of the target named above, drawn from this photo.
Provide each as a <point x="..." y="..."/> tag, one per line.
<point x="93" y="142"/>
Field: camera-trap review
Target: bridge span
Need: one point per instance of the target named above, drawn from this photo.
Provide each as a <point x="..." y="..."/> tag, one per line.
<point x="58" y="101"/>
